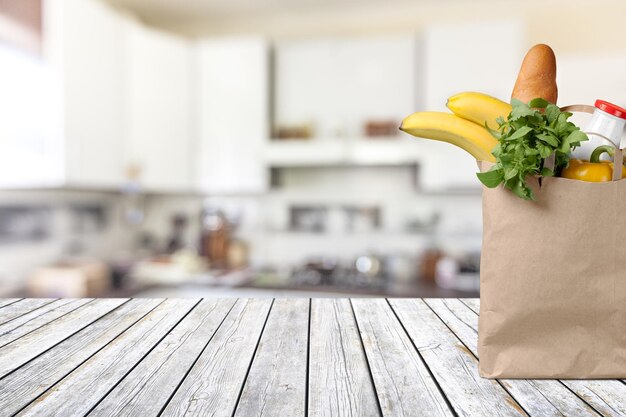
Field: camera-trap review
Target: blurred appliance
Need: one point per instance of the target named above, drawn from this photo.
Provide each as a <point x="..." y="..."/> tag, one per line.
<point x="24" y="223"/>
<point x="308" y="218"/>
<point x="362" y="218"/>
<point x="89" y="218"/>
<point x="72" y="279"/>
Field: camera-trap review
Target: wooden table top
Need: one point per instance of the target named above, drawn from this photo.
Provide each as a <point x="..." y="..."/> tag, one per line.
<point x="264" y="357"/>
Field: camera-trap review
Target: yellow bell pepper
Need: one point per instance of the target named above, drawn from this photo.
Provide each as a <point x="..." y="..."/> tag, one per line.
<point x="593" y="170"/>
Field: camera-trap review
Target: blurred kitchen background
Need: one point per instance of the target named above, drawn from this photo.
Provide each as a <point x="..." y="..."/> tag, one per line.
<point x="248" y="147"/>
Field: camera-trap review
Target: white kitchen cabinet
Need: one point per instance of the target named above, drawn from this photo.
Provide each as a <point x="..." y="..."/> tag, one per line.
<point x="337" y="84"/>
<point x="62" y="110"/>
<point x="479" y="56"/>
<point x="158" y="109"/>
<point x="84" y="42"/>
<point x="107" y="94"/>
<point x="31" y="146"/>
<point x="233" y="104"/>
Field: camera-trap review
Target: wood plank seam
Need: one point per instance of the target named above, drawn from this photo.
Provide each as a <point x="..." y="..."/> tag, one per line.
<point x="88" y="358"/>
<point x="254" y="353"/>
<point x="64" y="339"/>
<point x="12" y="302"/>
<point x="472" y="308"/>
<point x="308" y="361"/>
<point x="45" y="324"/>
<point x="369" y="369"/>
<point x="195" y="360"/>
<point x="470" y="351"/>
<point x="464" y="301"/>
<point x="144" y="356"/>
<point x="28" y="311"/>
<point x="445" y="397"/>
<point x="214" y="383"/>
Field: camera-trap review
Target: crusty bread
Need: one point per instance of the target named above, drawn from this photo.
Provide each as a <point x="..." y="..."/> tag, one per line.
<point x="537" y="75"/>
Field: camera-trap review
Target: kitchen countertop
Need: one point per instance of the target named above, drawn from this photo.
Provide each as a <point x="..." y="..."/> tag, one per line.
<point x="265" y="357"/>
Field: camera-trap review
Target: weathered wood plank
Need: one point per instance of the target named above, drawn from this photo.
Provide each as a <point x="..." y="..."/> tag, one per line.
<point x="339" y="380"/>
<point x="215" y="381"/>
<point x="22" y="325"/>
<point x="6" y="301"/>
<point x="15" y="310"/>
<point x="81" y="390"/>
<point x="18" y="389"/>
<point x="146" y="390"/>
<point x="606" y="396"/>
<point x="15" y="354"/>
<point x="472" y="303"/>
<point x="452" y="365"/>
<point x="537" y="397"/>
<point x="276" y="384"/>
<point x="402" y="380"/>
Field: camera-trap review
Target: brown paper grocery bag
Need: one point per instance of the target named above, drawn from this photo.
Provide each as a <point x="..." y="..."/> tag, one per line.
<point x="553" y="281"/>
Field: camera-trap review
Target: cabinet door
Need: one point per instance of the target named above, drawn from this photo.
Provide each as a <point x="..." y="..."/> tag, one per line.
<point x="88" y="40"/>
<point x="480" y="56"/>
<point x="159" y="109"/>
<point x="233" y="119"/>
<point x="337" y="84"/>
<point x="31" y="147"/>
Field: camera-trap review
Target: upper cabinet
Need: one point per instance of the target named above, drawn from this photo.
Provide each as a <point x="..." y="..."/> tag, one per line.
<point x="84" y="40"/>
<point x="108" y="94"/>
<point x="62" y="111"/>
<point x="480" y="56"/>
<point x="233" y="114"/>
<point x="159" y="109"/>
<point x="336" y="85"/>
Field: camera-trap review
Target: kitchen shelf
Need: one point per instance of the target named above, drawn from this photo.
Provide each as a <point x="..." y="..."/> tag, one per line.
<point x="357" y="151"/>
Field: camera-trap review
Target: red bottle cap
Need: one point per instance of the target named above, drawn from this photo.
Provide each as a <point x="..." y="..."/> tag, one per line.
<point x="611" y="109"/>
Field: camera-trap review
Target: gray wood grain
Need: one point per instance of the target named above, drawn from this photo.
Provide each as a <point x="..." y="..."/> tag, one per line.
<point x="213" y="385"/>
<point x="537" y="397"/>
<point x="35" y="319"/>
<point x="15" y="310"/>
<point x="403" y="382"/>
<point x="82" y="389"/>
<point x="146" y="390"/>
<point x="452" y="365"/>
<point x="18" y="389"/>
<point x="472" y="303"/>
<point x="15" y="354"/>
<point x="276" y="384"/>
<point x="6" y="301"/>
<point x="606" y="396"/>
<point x="339" y="380"/>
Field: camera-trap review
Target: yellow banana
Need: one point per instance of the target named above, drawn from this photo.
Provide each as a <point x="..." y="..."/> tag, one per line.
<point x="479" y="108"/>
<point x="449" y="128"/>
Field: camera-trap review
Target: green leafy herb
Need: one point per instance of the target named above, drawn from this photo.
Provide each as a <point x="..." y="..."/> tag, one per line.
<point x="530" y="134"/>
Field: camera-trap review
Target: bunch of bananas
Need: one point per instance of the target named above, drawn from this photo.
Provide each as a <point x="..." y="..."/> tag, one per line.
<point x="466" y="127"/>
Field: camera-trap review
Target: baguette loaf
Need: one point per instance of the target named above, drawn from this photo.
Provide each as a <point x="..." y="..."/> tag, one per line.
<point x="537" y="76"/>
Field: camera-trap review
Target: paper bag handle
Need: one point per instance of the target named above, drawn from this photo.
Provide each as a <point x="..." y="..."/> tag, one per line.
<point x="617" y="156"/>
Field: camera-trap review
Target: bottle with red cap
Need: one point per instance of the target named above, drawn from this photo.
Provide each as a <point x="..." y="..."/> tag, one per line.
<point x="608" y="122"/>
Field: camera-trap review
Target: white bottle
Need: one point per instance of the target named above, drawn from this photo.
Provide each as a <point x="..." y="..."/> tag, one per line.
<point x="609" y="121"/>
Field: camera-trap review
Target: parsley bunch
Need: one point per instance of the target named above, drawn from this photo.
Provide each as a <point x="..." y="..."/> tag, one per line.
<point x="529" y="135"/>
